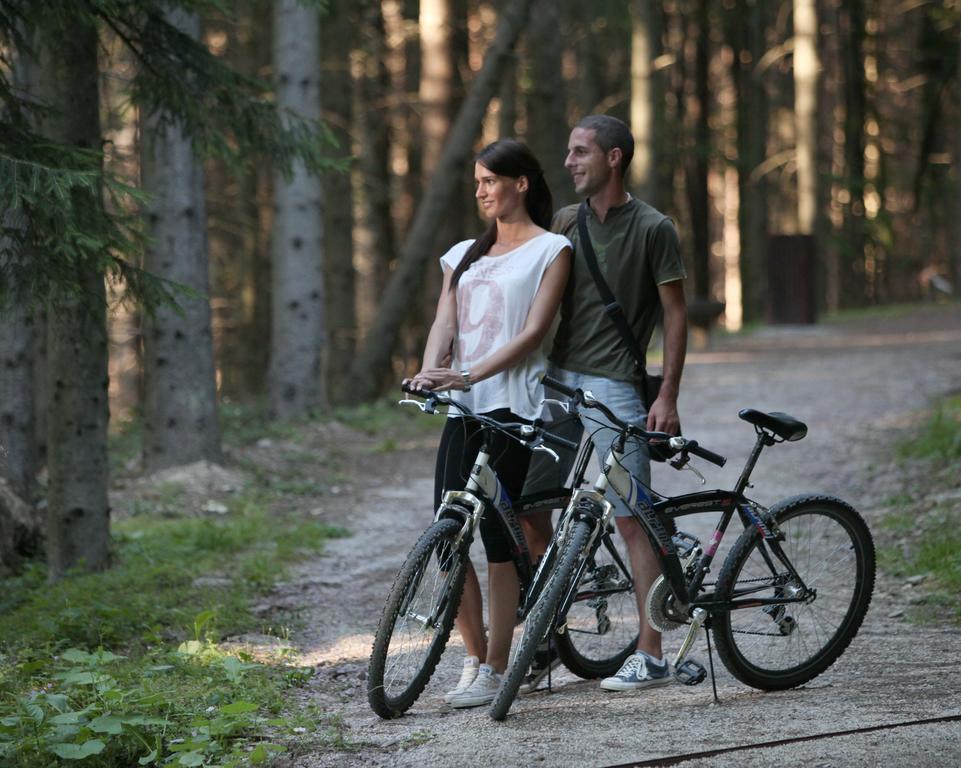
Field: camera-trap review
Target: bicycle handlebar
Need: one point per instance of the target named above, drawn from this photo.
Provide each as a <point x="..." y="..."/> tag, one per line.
<point x="581" y="397"/>
<point x="523" y="433"/>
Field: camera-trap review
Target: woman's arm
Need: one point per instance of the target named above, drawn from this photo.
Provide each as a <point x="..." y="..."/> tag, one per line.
<point x="442" y="332"/>
<point x="541" y="315"/>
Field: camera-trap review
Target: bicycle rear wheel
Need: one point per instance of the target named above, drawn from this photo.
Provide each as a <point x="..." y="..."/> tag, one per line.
<point x="601" y="626"/>
<point x="541" y="618"/>
<point x="417" y="620"/>
<point x="774" y="647"/>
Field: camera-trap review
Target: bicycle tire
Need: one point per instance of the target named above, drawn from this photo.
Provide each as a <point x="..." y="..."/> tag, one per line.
<point x="602" y="622"/>
<point x="831" y="548"/>
<point x="406" y="652"/>
<point x="539" y="621"/>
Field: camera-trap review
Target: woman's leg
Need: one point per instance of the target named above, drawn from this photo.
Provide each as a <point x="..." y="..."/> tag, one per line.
<point x="470" y="617"/>
<point x="504" y="591"/>
<point x="456" y="452"/>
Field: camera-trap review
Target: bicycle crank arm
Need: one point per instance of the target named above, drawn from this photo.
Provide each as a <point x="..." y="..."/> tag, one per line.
<point x="698" y="615"/>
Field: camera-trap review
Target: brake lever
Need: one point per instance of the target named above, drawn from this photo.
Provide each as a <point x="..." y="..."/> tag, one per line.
<point x="427" y="406"/>
<point x="547" y="450"/>
<point x="564" y="405"/>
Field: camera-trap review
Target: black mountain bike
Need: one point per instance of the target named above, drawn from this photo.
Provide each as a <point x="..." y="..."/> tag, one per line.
<point x="789" y="598"/>
<point x="423" y="601"/>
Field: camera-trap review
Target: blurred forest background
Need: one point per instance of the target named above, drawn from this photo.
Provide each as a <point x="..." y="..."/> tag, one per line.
<point x="288" y="173"/>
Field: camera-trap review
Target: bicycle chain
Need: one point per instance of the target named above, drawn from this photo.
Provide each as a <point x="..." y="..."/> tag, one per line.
<point x="747" y="631"/>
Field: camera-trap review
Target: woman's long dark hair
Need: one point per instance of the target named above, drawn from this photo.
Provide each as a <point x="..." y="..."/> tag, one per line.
<point x="511" y="158"/>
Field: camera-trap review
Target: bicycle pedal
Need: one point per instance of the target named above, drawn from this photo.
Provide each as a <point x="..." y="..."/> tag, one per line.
<point x="690" y="672"/>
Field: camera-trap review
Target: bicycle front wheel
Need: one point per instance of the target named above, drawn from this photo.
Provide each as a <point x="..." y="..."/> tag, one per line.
<point x="541" y="618"/>
<point x="602" y="620"/>
<point x="773" y="647"/>
<point x="417" y="620"/>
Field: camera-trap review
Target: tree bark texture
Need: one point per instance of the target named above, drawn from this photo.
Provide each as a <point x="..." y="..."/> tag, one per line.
<point x="180" y="393"/>
<point x="372" y="364"/>
<point x="336" y="41"/>
<point x="18" y="450"/>
<point x="298" y="330"/>
<point x="18" y="444"/>
<point x="78" y="516"/>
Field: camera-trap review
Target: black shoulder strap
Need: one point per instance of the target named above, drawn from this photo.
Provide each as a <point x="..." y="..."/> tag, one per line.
<point x="611" y="306"/>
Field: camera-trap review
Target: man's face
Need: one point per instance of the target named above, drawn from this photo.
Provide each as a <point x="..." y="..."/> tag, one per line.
<point x="587" y="163"/>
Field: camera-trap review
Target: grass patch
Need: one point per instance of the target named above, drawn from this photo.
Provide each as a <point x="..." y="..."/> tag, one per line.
<point x="125" y="667"/>
<point x="940" y="436"/>
<point x="924" y="538"/>
<point x="385" y="416"/>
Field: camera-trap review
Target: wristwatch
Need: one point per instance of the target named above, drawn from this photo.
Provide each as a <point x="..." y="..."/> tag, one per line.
<point x="465" y="375"/>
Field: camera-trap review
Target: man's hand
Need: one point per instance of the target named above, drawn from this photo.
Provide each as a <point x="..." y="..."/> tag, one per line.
<point x="663" y="415"/>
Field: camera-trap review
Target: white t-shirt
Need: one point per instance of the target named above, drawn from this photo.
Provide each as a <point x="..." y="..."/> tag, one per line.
<point x="494" y="297"/>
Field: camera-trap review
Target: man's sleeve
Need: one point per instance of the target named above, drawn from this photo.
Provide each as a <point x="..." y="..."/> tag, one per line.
<point x="665" y="255"/>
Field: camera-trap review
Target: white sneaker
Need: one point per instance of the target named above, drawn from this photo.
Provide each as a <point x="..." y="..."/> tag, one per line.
<point x="482" y="690"/>
<point x="467" y="675"/>
<point x="641" y="670"/>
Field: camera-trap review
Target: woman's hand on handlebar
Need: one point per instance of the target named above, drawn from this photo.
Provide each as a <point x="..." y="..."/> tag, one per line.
<point x="418" y="383"/>
<point x="438" y="379"/>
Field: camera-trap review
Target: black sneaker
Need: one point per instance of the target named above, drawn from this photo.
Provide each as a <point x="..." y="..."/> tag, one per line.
<point x="545" y="659"/>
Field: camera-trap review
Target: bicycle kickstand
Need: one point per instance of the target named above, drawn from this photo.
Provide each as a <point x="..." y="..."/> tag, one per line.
<point x="689" y="671"/>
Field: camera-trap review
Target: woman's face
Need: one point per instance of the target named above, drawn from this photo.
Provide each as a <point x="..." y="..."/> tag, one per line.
<point x="498" y="196"/>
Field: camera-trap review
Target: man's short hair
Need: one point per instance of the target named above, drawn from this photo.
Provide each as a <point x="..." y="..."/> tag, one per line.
<point x="609" y="132"/>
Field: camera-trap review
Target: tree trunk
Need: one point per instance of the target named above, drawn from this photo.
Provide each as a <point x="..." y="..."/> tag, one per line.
<point x="851" y="32"/>
<point x="373" y="361"/>
<point x="78" y="516"/>
<point x="752" y="115"/>
<point x="376" y="242"/>
<point x="697" y="162"/>
<point x="647" y="98"/>
<point x="18" y="450"/>
<point x="336" y="42"/>
<point x="547" y="128"/>
<point x="298" y="333"/>
<point x="956" y="250"/>
<point x="805" y="110"/>
<point x="180" y="396"/>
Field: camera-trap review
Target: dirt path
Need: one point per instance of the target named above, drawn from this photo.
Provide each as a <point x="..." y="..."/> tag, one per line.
<point x="858" y="386"/>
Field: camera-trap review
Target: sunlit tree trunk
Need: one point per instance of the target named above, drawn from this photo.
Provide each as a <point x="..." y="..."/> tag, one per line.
<point x="298" y="333"/>
<point x="180" y="397"/>
<point x="78" y="517"/>
<point x="373" y="360"/>
<point x="805" y="110"/>
<point x="336" y="40"/>
<point x="647" y="97"/>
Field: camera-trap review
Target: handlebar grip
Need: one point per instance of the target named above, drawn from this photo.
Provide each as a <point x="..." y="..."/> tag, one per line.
<point x="563" y="442"/>
<point x="553" y="383"/>
<point x="425" y="393"/>
<point x="705" y="454"/>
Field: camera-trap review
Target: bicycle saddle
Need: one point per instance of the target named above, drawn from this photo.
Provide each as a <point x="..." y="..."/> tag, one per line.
<point x="784" y="426"/>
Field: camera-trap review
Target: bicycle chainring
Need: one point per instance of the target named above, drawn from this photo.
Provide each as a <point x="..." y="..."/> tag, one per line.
<point x="663" y="612"/>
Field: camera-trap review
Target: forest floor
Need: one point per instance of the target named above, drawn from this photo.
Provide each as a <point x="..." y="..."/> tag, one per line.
<point x="862" y="385"/>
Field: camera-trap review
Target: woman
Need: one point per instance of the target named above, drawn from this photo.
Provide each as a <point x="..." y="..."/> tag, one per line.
<point x="500" y="295"/>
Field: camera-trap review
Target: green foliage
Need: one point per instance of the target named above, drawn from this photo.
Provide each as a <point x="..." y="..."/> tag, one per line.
<point x="58" y="202"/>
<point x="940" y="436"/>
<point x="125" y="667"/>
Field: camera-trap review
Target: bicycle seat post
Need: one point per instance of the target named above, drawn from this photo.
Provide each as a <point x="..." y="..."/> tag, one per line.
<point x="763" y="439"/>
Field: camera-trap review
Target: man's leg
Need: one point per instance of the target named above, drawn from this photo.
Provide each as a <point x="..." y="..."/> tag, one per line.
<point x="645" y="570"/>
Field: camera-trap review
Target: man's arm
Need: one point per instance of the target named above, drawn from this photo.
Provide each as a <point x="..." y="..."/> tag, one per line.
<point x="663" y="416"/>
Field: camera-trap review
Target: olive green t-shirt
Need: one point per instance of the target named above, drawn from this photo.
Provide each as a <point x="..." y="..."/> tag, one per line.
<point x="637" y="249"/>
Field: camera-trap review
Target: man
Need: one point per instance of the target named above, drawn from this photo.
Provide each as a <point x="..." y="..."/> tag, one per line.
<point x="638" y="253"/>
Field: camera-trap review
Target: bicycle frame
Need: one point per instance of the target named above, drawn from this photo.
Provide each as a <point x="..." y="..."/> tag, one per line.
<point x="652" y="514"/>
